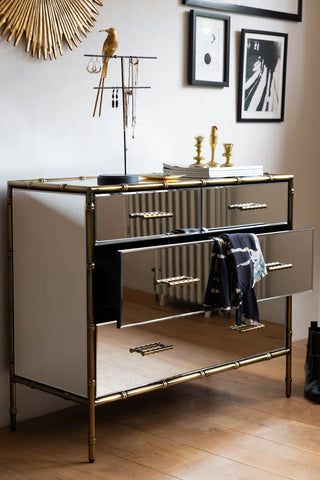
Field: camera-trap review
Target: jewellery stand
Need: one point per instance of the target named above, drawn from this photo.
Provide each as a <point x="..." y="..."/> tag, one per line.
<point x="126" y="90"/>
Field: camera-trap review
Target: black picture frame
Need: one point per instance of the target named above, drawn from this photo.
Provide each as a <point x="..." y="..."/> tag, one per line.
<point x="262" y="76"/>
<point x="295" y="13"/>
<point x="209" y="49"/>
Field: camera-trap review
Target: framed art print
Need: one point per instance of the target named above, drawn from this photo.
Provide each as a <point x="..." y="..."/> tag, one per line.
<point x="209" y="44"/>
<point x="285" y="9"/>
<point x="262" y="76"/>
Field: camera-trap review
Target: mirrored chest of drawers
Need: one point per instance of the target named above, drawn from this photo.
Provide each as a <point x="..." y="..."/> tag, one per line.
<point x="107" y="284"/>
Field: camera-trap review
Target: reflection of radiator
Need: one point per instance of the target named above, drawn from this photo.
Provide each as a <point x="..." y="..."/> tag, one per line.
<point x="192" y="260"/>
<point x="216" y="214"/>
<point x="183" y="204"/>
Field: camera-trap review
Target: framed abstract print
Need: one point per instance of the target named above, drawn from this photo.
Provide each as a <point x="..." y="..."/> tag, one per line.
<point x="209" y="45"/>
<point x="262" y="76"/>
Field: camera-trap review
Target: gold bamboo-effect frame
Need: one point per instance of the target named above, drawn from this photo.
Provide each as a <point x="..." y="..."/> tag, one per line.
<point x="91" y="400"/>
<point x="46" y="23"/>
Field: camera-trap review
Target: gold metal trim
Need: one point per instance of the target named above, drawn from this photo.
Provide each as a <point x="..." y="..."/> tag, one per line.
<point x="44" y="184"/>
<point x="91" y="327"/>
<point x="151" y="348"/>
<point x="198" y="374"/>
<point x="177" y="281"/>
<point x="52" y="390"/>
<point x="289" y="347"/>
<point x="290" y="203"/>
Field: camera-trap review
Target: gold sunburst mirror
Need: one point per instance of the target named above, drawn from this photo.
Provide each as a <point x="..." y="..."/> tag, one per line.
<point x="46" y="23"/>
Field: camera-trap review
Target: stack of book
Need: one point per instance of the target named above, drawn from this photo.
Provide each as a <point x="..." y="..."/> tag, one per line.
<point x="213" y="172"/>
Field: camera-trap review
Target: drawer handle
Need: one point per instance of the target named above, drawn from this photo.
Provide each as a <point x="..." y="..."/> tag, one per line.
<point x="275" y="266"/>
<point x="150" y="215"/>
<point x="245" y="328"/>
<point x="151" y="348"/>
<point x="247" y="206"/>
<point x="177" y="281"/>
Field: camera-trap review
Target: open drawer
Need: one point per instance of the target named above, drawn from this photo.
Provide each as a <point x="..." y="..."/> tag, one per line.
<point x="172" y="279"/>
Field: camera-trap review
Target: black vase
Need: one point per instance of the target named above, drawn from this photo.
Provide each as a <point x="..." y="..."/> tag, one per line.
<point x="312" y="365"/>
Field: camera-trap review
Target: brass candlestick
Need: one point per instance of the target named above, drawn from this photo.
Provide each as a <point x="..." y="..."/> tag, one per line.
<point x="198" y="157"/>
<point x="228" y="154"/>
<point x="213" y="140"/>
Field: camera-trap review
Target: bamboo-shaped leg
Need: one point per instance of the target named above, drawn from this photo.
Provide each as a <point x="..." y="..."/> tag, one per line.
<point x="13" y="405"/>
<point x="92" y="426"/>
<point x="289" y="347"/>
<point x="91" y="328"/>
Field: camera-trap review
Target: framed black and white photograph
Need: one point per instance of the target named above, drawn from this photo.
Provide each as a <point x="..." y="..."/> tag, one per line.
<point x="285" y="9"/>
<point x="262" y="76"/>
<point x="209" y="45"/>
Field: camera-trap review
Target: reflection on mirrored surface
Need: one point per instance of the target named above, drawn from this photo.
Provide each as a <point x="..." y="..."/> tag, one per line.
<point x="147" y="214"/>
<point x="197" y="342"/>
<point x="245" y="205"/>
<point x="154" y="213"/>
<point x="171" y="277"/>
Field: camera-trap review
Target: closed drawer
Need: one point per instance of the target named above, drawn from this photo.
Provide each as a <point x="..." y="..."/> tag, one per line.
<point x="189" y="343"/>
<point x="146" y="214"/>
<point x="257" y="204"/>
<point x="171" y="280"/>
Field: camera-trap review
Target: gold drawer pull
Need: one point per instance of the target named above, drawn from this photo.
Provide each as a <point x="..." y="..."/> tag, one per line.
<point x="247" y="206"/>
<point x="274" y="266"/>
<point x="177" y="281"/>
<point x="151" y="348"/>
<point x="150" y="215"/>
<point x="245" y="328"/>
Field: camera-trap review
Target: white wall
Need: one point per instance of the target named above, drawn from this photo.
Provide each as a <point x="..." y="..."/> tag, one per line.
<point x="47" y="129"/>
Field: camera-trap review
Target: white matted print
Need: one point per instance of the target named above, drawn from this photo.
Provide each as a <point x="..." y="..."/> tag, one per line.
<point x="262" y="76"/>
<point x="209" y="49"/>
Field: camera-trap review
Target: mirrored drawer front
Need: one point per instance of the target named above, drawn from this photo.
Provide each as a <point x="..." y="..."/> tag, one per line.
<point x="171" y="280"/>
<point x="245" y="205"/>
<point x="135" y="356"/>
<point x="146" y="214"/>
<point x="289" y="258"/>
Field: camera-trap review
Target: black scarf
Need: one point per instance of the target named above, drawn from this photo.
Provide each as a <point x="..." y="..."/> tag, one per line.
<point x="236" y="265"/>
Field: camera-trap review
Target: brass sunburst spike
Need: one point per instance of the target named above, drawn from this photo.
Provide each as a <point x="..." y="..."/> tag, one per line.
<point x="46" y="23"/>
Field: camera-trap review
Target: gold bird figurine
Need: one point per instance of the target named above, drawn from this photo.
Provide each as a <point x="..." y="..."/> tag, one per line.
<point x="108" y="50"/>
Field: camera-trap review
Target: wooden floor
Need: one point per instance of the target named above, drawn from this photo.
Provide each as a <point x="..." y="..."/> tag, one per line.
<point x="236" y="425"/>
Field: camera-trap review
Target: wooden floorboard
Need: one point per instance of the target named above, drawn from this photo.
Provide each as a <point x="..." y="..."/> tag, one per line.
<point x="236" y="425"/>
